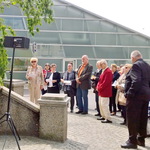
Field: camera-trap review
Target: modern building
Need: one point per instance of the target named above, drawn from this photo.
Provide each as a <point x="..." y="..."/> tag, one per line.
<point x="73" y="33"/>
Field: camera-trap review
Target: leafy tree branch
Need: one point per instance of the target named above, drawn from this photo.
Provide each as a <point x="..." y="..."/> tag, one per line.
<point x="35" y="11"/>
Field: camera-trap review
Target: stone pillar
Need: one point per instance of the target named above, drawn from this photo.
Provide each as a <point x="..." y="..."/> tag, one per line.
<point x="17" y="85"/>
<point x="53" y="117"/>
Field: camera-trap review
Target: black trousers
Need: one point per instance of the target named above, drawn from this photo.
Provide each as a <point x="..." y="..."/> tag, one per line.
<point x="137" y="115"/>
<point x="53" y="90"/>
<point x="123" y="111"/>
<point x="97" y="103"/>
<point x="43" y="91"/>
<point x="71" y="95"/>
<point x="112" y="101"/>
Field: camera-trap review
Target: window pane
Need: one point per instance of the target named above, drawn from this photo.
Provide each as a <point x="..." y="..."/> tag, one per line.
<point x="77" y="52"/>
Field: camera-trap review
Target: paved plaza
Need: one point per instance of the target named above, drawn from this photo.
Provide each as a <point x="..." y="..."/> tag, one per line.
<point x="85" y="132"/>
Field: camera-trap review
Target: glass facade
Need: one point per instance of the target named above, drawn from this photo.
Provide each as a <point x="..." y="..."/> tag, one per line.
<point x="74" y="32"/>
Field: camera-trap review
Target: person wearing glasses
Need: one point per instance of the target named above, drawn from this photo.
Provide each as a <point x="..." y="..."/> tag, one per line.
<point x="35" y="80"/>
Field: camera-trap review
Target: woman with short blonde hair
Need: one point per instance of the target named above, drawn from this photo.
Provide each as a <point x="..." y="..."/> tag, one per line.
<point x="35" y="80"/>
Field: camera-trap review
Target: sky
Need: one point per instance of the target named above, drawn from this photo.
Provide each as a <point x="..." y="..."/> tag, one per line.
<point x="134" y="14"/>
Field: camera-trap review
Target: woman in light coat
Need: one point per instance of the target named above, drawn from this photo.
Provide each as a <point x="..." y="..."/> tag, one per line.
<point x="35" y="80"/>
<point x="120" y="92"/>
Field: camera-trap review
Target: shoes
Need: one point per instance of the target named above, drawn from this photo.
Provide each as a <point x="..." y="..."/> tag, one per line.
<point x="140" y="143"/>
<point x="79" y="112"/>
<point x="97" y="114"/>
<point x="84" y="113"/>
<point x="101" y="118"/>
<point x="123" y="123"/>
<point x="118" y="110"/>
<point x="129" y="145"/>
<point x="71" y="111"/>
<point x="106" y="121"/>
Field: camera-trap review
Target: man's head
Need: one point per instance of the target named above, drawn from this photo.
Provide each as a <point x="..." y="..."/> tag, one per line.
<point x="103" y="63"/>
<point x="135" y="55"/>
<point x="85" y="59"/>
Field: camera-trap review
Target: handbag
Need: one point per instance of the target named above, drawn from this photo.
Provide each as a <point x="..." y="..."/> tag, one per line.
<point x="121" y="99"/>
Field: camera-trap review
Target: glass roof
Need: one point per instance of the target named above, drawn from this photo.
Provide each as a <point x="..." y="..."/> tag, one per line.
<point x="76" y="32"/>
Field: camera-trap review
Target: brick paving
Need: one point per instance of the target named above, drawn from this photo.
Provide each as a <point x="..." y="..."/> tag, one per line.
<point x="85" y="132"/>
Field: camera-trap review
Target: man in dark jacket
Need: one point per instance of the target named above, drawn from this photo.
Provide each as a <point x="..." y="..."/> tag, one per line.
<point x="83" y="84"/>
<point x="137" y="92"/>
<point x="95" y="79"/>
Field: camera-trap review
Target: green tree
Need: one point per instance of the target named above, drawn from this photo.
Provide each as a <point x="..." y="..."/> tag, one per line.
<point x="35" y="11"/>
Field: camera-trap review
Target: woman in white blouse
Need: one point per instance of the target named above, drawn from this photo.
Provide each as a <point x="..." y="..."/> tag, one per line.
<point x="53" y="80"/>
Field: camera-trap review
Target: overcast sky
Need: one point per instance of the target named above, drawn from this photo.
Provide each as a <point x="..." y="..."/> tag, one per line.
<point x="134" y="14"/>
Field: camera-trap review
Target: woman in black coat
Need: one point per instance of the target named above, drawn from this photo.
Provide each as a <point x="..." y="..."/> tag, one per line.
<point x="112" y="104"/>
<point x="53" y="80"/>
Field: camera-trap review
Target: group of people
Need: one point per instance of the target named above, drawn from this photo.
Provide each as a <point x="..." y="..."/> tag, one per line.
<point x="41" y="80"/>
<point x="127" y="89"/>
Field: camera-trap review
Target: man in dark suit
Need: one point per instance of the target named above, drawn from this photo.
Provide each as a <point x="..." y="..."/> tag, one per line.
<point x="95" y="79"/>
<point x="137" y="92"/>
<point x="83" y="84"/>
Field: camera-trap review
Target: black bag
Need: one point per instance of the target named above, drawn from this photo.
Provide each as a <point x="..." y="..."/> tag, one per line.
<point x="93" y="84"/>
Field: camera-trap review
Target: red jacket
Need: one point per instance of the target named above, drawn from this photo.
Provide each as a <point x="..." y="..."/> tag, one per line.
<point x="104" y="85"/>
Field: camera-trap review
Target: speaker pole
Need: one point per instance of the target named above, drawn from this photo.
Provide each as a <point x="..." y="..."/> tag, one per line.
<point x="7" y="114"/>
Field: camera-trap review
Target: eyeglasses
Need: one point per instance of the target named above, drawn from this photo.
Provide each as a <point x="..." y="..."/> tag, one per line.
<point x="33" y="61"/>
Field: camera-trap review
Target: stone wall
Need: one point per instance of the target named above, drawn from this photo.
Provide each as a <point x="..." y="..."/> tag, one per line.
<point x="24" y="113"/>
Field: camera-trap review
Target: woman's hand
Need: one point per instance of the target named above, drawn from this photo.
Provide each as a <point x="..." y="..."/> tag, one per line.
<point x="29" y="78"/>
<point x="62" y="80"/>
<point x="54" y="81"/>
<point x="41" y="87"/>
<point x="118" y="87"/>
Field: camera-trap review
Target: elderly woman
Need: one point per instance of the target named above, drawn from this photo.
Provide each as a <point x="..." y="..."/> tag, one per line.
<point x="35" y="79"/>
<point x="120" y="92"/>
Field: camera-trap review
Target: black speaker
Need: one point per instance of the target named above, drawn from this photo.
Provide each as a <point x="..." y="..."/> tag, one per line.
<point x="18" y="42"/>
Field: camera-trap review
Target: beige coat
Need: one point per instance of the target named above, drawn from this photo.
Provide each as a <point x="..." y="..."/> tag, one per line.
<point x="35" y="83"/>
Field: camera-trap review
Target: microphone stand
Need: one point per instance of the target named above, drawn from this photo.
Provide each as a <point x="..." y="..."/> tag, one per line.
<point x="7" y="116"/>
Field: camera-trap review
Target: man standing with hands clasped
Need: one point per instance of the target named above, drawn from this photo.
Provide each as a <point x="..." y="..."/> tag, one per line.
<point x="83" y="84"/>
<point x="137" y="92"/>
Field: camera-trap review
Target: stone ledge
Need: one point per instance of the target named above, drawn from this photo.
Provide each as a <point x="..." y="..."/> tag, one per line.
<point x="51" y="96"/>
<point x="54" y="102"/>
<point x="20" y="99"/>
<point x="15" y="83"/>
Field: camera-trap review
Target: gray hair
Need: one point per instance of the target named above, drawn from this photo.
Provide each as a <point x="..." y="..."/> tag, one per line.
<point x="98" y="62"/>
<point x="86" y="56"/>
<point x="136" y="54"/>
<point x="52" y="65"/>
<point x="103" y="61"/>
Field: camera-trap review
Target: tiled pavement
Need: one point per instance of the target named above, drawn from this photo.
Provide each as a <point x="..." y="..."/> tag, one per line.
<point x="84" y="133"/>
